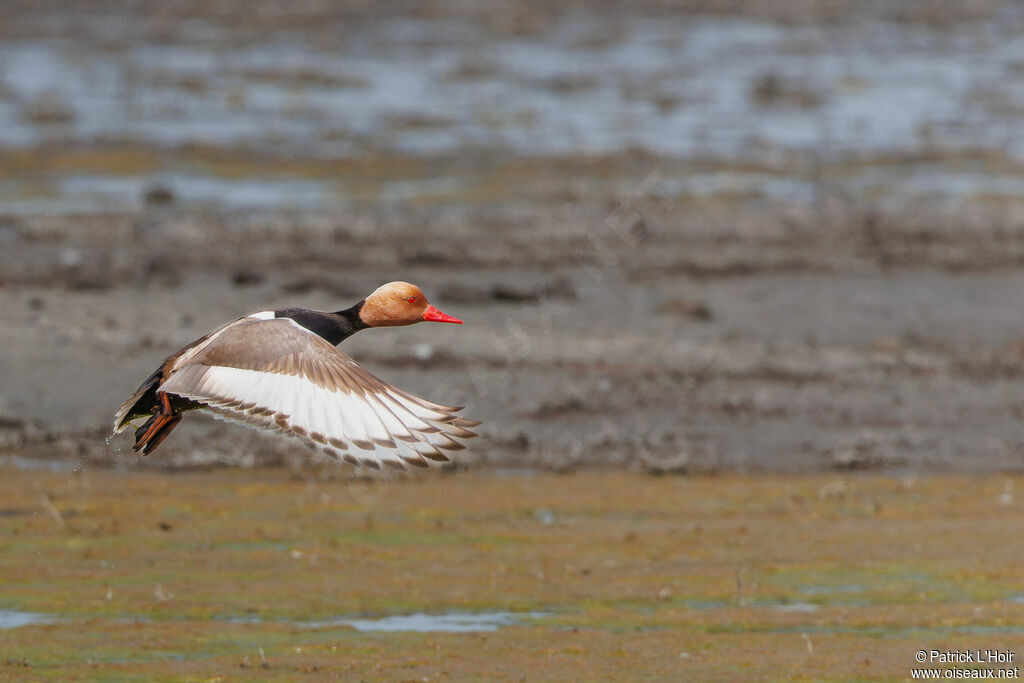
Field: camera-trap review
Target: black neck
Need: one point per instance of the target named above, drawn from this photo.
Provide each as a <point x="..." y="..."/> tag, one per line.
<point x="334" y="327"/>
<point x="352" y="322"/>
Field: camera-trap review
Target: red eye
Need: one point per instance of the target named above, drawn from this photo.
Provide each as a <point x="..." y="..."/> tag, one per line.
<point x="412" y="299"/>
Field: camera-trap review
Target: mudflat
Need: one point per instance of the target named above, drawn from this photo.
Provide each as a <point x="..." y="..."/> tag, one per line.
<point x="684" y="238"/>
<point x="503" y="575"/>
<point x="799" y="352"/>
<point x="742" y="290"/>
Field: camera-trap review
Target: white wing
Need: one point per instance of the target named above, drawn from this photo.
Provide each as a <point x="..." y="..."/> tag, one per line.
<point x="275" y="374"/>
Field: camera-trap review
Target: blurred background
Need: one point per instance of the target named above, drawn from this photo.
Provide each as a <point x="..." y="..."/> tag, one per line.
<point x="771" y="244"/>
<point x="685" y="236"/>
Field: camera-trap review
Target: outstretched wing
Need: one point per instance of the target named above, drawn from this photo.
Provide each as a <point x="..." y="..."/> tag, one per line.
<point x="275" y="374"/>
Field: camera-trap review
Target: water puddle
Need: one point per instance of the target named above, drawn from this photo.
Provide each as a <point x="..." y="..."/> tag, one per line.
<point x="453" y="622"/>
<point x="766" y="604"/>
<point x="796" y="607"/>
<point x="16" y="619"/>
<point x="831" y="590"/>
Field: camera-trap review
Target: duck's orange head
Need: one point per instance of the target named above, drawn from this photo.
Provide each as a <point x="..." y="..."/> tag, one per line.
<point x="400" y="303"/>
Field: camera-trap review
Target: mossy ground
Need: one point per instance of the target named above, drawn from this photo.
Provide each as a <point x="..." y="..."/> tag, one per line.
<point x="190" y="576"/>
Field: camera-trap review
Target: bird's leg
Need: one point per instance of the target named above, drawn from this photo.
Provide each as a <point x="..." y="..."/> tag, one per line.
<point x="163" y="431"/>
<point x="151" y="434"/>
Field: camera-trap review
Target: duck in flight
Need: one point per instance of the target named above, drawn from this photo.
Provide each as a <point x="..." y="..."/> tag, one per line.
<point x="281" y="371"/>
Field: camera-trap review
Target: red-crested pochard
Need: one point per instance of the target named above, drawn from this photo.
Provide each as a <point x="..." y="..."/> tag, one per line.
<point x="279" y="370"/>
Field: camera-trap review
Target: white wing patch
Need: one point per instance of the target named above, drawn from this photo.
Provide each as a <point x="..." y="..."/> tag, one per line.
<point x="380" y="426"/>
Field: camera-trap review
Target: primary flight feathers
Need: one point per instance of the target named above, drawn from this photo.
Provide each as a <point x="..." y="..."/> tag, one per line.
<point x="274" y="372"/>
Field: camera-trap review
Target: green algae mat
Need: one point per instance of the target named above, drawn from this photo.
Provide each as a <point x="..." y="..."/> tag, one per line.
<point x="237" y="574"/>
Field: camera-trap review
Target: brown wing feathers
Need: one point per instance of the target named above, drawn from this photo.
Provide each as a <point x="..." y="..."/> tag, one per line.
<point x="274" y="374"/>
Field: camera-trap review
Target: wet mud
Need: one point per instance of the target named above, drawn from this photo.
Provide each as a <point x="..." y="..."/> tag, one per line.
<point x="684" y="238"/>
<point x="503" y="575"/>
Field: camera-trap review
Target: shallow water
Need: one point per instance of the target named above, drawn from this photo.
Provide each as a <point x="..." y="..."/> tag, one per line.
<point x="682" y="87"/>
<point x="556" y="95"/>
<point x="453" y="622"/>
<point x="16" y="619"/>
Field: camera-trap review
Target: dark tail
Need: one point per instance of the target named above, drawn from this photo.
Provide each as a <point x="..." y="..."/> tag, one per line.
<point x="143" y="402"/>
